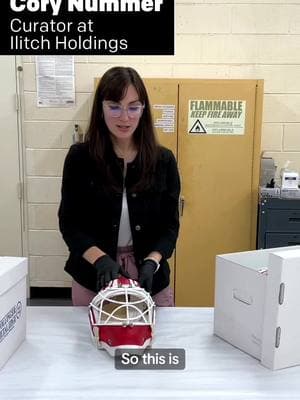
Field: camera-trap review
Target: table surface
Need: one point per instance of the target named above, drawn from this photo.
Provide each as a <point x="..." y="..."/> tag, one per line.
<point x="58" y="361"/>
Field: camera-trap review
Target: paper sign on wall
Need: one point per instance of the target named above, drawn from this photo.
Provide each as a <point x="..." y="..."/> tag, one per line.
<point x="166" y="120"/>
<point x="55" y="78"/>
<point x="217" y="117"/>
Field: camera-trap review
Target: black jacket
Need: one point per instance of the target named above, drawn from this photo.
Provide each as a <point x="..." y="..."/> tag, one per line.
<point x="89" y="216"/>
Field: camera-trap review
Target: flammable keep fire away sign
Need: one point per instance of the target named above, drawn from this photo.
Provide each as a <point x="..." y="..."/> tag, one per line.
<point x="217" y="117"/>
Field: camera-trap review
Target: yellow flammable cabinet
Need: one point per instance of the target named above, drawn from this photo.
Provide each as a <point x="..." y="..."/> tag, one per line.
<point x="214" y="129"/>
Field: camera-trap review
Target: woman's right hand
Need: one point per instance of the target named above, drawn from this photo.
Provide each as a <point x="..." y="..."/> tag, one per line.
<point x="107" y="270"/>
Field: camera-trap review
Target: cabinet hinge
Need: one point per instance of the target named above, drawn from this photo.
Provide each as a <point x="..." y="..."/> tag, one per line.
<point x="181" y="206"/>
<point x="281" y="293"/>
<point x="20" y="190"/>
<point x="17" y="102"/>
<point x="277" y="336"/>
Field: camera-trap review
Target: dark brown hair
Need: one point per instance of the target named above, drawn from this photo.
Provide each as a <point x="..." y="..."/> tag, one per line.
<point x="113" y="86"/>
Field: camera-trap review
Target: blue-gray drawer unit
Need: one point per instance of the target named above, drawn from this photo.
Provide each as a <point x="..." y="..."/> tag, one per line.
<point x="278" y="223"/>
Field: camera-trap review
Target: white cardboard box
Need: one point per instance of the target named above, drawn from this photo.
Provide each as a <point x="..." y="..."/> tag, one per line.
<point x="13" y="271"/>
<point x="257" y="304"/>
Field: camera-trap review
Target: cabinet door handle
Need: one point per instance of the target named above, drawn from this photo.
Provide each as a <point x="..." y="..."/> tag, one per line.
<point x="181" y="205"/>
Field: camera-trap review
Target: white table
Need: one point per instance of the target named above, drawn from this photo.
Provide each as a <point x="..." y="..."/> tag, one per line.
<point x="58" y="361"/>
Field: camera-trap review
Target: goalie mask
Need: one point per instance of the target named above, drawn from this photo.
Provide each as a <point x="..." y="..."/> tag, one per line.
<point x="122" y="315"/>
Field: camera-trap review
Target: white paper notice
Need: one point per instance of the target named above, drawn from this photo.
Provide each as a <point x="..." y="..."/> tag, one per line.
<point x="166" y="120"/>
<point x="55" y="81"/>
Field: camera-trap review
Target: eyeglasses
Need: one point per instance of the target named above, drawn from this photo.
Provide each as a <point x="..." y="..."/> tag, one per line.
<point x="115" y="110"/>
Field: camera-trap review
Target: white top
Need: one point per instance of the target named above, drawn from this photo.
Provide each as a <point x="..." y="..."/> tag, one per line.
<point x="125" y="236"/>
<point x="59" y="361"/>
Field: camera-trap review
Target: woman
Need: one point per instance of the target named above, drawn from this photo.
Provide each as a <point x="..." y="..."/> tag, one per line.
<point x="119" y="206"/>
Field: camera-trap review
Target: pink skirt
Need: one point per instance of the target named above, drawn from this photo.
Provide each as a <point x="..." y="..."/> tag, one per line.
<point x="82" y="296"/>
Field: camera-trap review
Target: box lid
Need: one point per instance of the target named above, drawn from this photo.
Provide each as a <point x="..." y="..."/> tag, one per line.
<point x="281" y="328"/>
<point x="12" y="270"/>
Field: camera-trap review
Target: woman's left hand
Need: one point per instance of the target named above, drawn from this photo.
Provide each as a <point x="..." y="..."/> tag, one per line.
<point x="146" y="273"/>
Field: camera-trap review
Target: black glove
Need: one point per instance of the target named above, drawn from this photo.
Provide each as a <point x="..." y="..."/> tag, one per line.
<point x="107" y="270"/>
<point x="146" y="273"/>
